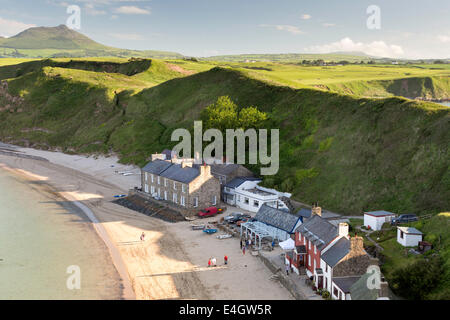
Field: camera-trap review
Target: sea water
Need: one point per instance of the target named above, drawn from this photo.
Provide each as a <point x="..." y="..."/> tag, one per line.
<point x="43" y="239"/>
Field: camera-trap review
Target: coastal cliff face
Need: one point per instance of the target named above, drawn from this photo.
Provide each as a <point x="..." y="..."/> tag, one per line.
<point x="351" y="154"/>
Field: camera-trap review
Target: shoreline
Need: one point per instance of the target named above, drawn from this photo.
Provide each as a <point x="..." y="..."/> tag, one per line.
<point x="172" y="262"/>
<point x="118" y="263"/>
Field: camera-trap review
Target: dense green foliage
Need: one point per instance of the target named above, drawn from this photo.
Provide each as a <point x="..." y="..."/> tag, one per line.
<point x="350" y="154"/>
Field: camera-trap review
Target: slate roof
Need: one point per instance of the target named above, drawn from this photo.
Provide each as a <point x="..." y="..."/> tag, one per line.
<point x="360" y="291"/>
<point x="236" y="182"/>
<point x="380" y="213"/>
<point x="410" y="230"/>
<point x="224" y="169"/>
<point x="345" y="283"/>
<point x="168" y="154"/>
<point x="319" y="231"/>
<point x="338" y="251"/>
<point x="177" y="173"/>
<point x="277" y="218"/>
<point x="172" y="171"/>
<point x="305" y="213"/>
<point x="156" y="167"/>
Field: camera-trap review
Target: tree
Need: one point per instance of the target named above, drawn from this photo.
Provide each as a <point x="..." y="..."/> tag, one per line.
<point x="417" y="280"/>
<point x="251" y="117"/>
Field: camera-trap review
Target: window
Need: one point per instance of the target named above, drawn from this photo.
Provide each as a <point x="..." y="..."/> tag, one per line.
<point x="315" y="249"/>
<point x="175" y="198"/>
<point x="183" y="201"/>
<point x="165" y="195"/>
<point x="335" y="292"/>
<point x="214" y="200"/>
<point x="256" y="203"/>
<point x="146" y="176"/>
<point x="401" y="234"/>
<point x="326" y="268"/>
<point x="159" y="180"/>
<point x="238" y="198"/>
<point x="152" y="190"/>
<point x="174" y="185"/>
<point x="165" y="182"/>
<point x="309" y="245"/>
<point x="195" y="202"/>
<point x="246" y="200"/>
<point x="152" y="178"/>
<point x="159" y="192"/>
<point x="183" y="188"/>
<point x="309" y="260"/>
<point x="146" y="188"/>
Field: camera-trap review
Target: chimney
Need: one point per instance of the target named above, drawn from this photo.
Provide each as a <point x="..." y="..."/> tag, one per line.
<point x="205" y="170"/>
<point x="343" y="229"/>
<point x="316" y="209"/>
<point x="384" y="290"/>
<point x="356" y="244"/>
<point x="186" y="163"/>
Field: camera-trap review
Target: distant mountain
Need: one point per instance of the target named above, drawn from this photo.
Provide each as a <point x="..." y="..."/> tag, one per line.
<point x="60" y="41"/>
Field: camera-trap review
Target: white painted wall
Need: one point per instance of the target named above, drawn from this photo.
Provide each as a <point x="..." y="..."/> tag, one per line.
<point x="409" y="240"/>
<point x="376" y="223"/>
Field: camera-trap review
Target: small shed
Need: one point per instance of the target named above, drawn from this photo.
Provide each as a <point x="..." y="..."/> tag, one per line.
<point x="376" y="219"/>
<point x="409" y="237"/>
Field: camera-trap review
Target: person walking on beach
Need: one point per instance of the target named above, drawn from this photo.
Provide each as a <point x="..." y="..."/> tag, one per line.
<point x="243" y="251"/>
<point x="241" y="243"/>
<point x="209" y="262"/>
<point x="214" y="262"/>
<point x="142" y="236"/>
<point x="287" y="269"/>
<point x="225" y="260"/>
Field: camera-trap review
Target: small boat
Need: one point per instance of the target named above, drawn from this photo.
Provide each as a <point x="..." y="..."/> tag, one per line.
<point x="120" y="196"/>
<point x="210" y="231"/>
<point x="198" y="227"/>
<point x="224" y="236"/>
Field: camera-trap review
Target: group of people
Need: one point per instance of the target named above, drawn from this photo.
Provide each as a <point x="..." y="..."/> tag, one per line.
<point x="212" y="262"/>
<point x="245" y="243"/>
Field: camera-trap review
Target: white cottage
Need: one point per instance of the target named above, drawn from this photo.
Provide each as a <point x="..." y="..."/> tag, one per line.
<point x="376" y="219"/>
<point x="245" y="193"/>
<point x="409" y="237"/>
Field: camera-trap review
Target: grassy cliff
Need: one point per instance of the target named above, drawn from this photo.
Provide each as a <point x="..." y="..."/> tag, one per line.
<point x="350" y="154"/>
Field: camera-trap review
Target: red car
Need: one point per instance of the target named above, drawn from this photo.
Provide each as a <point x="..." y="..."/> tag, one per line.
<point x="208" y="212"/>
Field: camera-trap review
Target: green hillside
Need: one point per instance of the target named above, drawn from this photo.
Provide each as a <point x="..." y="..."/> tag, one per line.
<point x="350" y="154"/>
<point x="54" y="42"/>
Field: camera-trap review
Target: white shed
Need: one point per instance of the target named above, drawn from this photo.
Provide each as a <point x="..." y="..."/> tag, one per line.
<point x="376" y="219"/>
<point x="409" y="237"/>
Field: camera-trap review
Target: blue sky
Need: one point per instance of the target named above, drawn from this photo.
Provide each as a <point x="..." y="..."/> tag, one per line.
<point x="408" y="29"/>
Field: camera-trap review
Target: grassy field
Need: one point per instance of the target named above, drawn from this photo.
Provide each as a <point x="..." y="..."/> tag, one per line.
<point x="349" y="153"/>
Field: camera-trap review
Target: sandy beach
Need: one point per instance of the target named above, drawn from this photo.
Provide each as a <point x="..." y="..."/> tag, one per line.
<point x="172" y="261"/>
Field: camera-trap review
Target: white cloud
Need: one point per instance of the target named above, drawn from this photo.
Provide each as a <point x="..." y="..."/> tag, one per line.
<point x="131" y="10"/>
<point x="92" y="11"/>
<point x="443" y="38"/>
<point x="375" y="48"/>
<point x="10" y="28"/>
<point x="288" y="28"/>
<point x="328" y="25"/>
<point x="127" y="36"/>
<point x="306" y="17"/>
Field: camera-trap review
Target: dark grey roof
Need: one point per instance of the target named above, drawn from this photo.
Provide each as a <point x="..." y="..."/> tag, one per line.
<point x="177" y="173"/>
<point x="224" y="169"/>
<point x="277" y="218"/>
<point x="156" y="167"/>
<point x="345" y="283"/>
<point x="172" y="171"/>
<point x="236" y="182"/>
<point x="380" y="213"/>
<point x="338" y="251"/>
<point x="319" y="231"/>
<point x="305" y="213"/>
<point x="360" y="291"/>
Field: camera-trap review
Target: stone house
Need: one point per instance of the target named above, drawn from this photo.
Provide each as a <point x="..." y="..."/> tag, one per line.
<point x="183" y="184"/>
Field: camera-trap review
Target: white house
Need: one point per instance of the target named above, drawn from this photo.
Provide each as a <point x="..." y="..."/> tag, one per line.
<point x="376" y="219"/>
<point x="245" y="193"/>
<point x="409" y="237"/>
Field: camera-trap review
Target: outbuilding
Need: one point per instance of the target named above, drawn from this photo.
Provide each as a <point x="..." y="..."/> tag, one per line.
<point x="409" y="237"/>
<point x="375" y="219"/>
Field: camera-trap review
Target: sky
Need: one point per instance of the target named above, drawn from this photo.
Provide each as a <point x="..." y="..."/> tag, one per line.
<point x="393" y="28"/>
